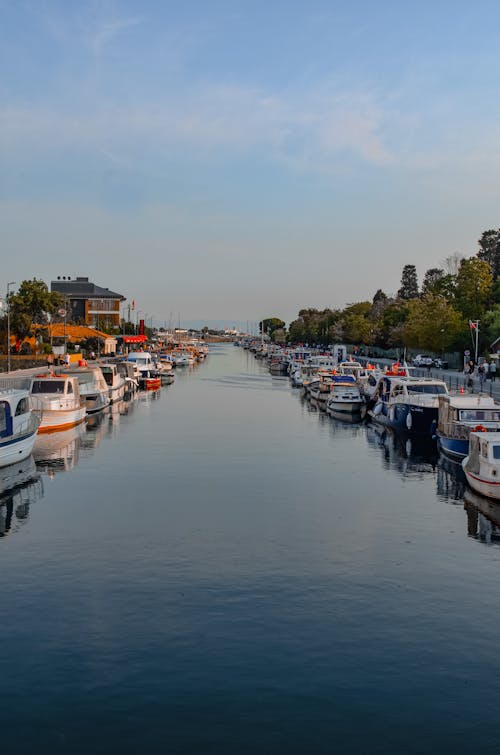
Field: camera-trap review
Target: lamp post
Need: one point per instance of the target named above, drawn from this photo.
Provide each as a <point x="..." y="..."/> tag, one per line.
<point x="12" y="283"/>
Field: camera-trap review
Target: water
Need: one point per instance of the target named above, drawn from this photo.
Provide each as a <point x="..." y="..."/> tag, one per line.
<point x="224" y="570"/>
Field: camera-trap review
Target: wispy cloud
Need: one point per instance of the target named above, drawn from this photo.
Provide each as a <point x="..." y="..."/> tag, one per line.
<point x="221" y="116"/>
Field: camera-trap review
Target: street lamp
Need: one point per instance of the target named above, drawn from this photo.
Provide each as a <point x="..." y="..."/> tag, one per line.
<point x="12" y="283"/>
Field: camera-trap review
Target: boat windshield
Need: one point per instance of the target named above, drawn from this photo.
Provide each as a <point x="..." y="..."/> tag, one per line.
<point x="496" y="452"/>
<point x="47" y="386"/>
<point x="428" y="388"/>
<point x="483" y="415"/>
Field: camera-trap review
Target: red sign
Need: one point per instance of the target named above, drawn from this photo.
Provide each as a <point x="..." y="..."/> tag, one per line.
<point x="134" y="339"/>
<point x="141" y="327"/>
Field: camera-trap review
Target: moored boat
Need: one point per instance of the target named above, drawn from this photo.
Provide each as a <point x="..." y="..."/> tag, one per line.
<point x="407" y="404"/>
<point x="18" y="426"/>
<point x="344" y="395"/>
<point x="461" y="414"/>
<point x="482" y="464"/>
<point x="56" y="400"/>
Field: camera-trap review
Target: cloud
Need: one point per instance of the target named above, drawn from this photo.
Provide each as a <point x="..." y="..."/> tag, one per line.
<point x="284" y="126"/>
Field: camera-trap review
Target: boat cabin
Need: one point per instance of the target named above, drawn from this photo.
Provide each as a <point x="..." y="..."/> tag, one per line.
<point x="458" y="415"/>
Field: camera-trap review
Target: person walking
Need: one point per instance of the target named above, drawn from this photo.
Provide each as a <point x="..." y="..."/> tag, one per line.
<point x="493" y="370"/>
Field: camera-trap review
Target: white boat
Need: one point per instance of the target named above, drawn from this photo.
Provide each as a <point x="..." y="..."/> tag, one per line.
<point x="114" y="380"/>
<point x="344" y="395"/>
<point x="482" y="465"/>
<point x="93" y="387"/>
<point x="57" y="402"/>
<point x="18" y="426"/>
<point x="130" y="374"/>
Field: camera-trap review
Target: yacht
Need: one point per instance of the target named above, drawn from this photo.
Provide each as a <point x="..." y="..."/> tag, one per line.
<point x="18" y="426"/>
<point x="344" y="395"/>
<point x="482" y="465"/>
<point x="57" y="402"/>
<point x="407" y="404"/>
<point x="93" y="387"/>
<point x="114" y="380"/>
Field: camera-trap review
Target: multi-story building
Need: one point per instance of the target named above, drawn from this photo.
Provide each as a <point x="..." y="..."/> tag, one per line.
<point x="87" y="303"/>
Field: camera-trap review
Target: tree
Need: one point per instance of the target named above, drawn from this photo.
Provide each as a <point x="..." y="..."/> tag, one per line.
<point x="433" y="324"/>
<point x="409" y="283"/>
<point x="489" y="251"/>
<point x="474" y="286"/>
<point x="32" y="304"/>
<point x="270" y="325"/>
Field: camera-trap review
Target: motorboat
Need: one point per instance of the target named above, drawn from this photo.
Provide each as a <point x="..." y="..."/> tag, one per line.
<point x="93" y="387"/>
<point x="18" y="426"/>
<point x="114" y="380"/>
<point x="482" y="464"/>
<point x="407" y="404"/>
<point x="130" y="374"/>
<point x="344" y="395"/>
<point x="149" y="380"/>
<point x="461" y="414"/>
<point x="56" y="401"/>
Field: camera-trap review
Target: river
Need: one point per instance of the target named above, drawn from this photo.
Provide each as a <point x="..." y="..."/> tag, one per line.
<point x="221" y="569"/>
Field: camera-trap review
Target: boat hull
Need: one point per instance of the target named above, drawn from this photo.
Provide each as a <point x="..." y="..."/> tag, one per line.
<point x="56" y="421"/>
<point x="17" y="449"/>
<point x="416" y="420"/>
<point x="488" y="488"/>
<point x="455" y="448"/>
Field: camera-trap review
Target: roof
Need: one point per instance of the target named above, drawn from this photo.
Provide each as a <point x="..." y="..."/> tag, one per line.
<point x="74" y="332"/>
<point x="470" y="401"/>
<point x="81" y="288"/>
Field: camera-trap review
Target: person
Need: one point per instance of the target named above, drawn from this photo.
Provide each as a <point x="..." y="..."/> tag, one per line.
<point x="493" y="370"/>
<point x="67" y="359"/>
<point x="481" y="374"/>
<point x="92" y="355"/>
<point x="50" y="360"/>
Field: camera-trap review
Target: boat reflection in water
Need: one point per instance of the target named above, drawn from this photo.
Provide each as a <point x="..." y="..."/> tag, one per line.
<point x="95" y="429"/>
<point x="483" y="517"/>
<point x="451" y="482"/>
<point x="410" y="456"/>
<point x="58" y="452"/>
<point x="20" y="486"/>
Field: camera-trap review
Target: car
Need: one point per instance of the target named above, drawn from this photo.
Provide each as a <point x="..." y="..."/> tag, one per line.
<point x="441" y="364"/>
<point x="423" y="360"/>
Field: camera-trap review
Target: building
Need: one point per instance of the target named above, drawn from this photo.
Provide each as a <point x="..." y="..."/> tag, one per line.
<point x="88" y="303"/>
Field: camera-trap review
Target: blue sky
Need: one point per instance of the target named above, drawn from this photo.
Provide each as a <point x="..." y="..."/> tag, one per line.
<point x="236" y="160"/>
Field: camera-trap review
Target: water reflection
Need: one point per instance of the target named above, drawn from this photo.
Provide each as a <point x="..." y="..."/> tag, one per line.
<point x="451" y="483"/>
<point x="483" y="517"/>
<point x="409" y="456"/>
<point x="95" y="429"/>
<point x="58" y="452"/>
<point x="20" y="486"/>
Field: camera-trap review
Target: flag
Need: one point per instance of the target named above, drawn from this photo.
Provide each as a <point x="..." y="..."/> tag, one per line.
<point x="133" y="303"/>
<point x="472" y="325"/>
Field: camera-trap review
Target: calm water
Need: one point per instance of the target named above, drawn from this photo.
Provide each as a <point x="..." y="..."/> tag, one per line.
<point x="224" y="570"/>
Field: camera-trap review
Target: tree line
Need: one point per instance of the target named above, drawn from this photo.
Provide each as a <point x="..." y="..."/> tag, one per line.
<point x="435" y="316"/>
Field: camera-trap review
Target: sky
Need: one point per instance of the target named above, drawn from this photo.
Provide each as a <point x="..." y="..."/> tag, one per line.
<point x="229" y="161"/>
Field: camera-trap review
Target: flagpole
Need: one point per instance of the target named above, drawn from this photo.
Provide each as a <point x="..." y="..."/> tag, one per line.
<point x="477" y="335"/>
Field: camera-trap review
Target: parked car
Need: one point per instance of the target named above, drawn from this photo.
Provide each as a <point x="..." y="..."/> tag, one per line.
<point x="441" y="364"/>
<point x="423" y="360"/>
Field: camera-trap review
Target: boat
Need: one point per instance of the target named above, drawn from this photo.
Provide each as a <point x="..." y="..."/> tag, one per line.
<point x="56" y="401"/>
<point x="344" y="395"/>
<point x="93" y="387"/>
<point x="461" y="414"/>
<point x="130" y="374"/>
<point x="149" y="380"/>
<point x="407" y="404"/>
<point x="482" y="464"/>
<point x="18" y="426"/>
<point x="114" y="380"/>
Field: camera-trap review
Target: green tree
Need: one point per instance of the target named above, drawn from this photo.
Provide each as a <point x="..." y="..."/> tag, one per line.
<point x="489" y="251"/>
<point x="409" y="283"/>
<point x="32" y="304"/>
<point x="474" y="287"/>
<point x="433" y="324"/>
<point x="270" y="325"/>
